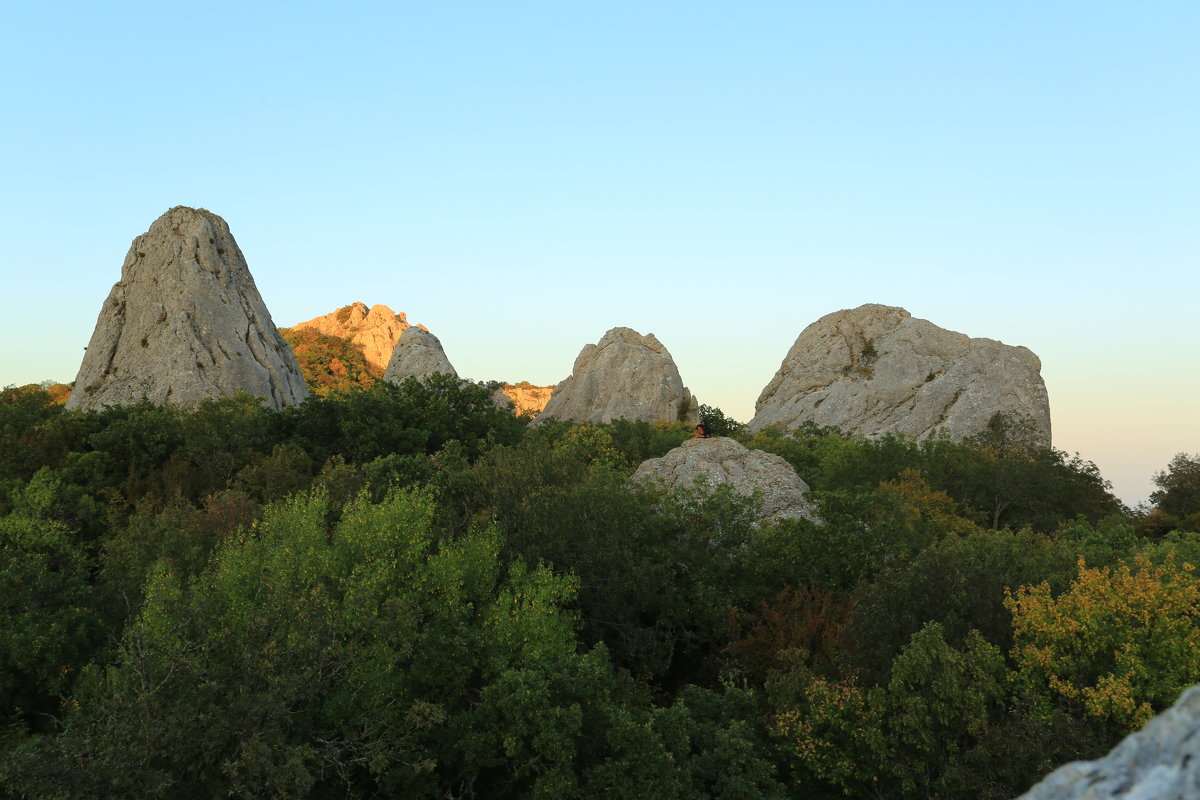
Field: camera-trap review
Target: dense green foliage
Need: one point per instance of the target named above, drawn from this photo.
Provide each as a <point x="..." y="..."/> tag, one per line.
<point x="402" y="591"/>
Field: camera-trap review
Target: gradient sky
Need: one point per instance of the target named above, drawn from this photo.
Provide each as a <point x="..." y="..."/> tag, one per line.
<point x="522" y="176"/>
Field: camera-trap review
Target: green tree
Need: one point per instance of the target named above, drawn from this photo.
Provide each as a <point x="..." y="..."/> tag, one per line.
<point x="51" y="618"/>
<point x="1119" y="645"/>
<point x="722" y="425"/>
<point x="937" y="707"/>
<point x="706" y="744"/>
<point x="959" y="583"/>
<point x="360" y="659"/>
<point x="1178" y="492"/>
<point x="409" y="418"/>
<point x="908" y="739"/>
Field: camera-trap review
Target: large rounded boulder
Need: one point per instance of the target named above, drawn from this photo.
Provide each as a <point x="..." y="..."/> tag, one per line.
<point x="723" y="461"/>
<point x="876" y="369"/>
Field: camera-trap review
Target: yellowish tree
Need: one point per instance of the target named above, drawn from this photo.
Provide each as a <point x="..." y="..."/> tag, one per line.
<point x="1121" y="643"/>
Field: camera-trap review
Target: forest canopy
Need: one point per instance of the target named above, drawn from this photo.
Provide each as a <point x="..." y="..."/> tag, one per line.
<point x="402" y="590"/>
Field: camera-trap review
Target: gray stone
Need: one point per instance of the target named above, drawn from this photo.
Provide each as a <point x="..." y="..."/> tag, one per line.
<point x="876" y="369"/>
<point x="721" y="460"/>
<point x="1159" y="762"/>
<point x="418" y="354"/>
<point x="185" y="323"/>
<point x="625" y="375"/>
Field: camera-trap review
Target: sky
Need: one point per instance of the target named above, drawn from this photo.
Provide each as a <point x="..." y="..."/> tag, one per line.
<point x="522" y="176"/>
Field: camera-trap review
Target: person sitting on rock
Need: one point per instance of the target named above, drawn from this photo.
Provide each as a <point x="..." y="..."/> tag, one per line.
<point x="703" y="431"/>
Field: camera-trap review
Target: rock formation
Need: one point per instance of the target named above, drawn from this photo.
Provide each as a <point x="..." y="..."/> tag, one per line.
<point x="523" y="398"/>
<point x="185" y="323"/>
<point x="418" y="354"/>
<point x="1160" y="761"/>
<point x="876" y="369"/>
<point x="625" y="375"/>
<point x="374" y="330"/>
<point x="720" y="460"/>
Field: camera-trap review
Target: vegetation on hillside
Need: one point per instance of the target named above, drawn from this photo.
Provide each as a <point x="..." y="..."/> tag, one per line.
<point x="404" y="591"/>
<point x="330" y="363"/>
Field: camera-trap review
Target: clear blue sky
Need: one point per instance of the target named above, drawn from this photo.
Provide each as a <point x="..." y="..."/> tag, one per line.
<point x="522" y="176"/>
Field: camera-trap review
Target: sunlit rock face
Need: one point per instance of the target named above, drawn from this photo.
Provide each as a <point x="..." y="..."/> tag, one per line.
<point x="623" y="376"/>
<point x="1159" y="762"/>
<point x="723" y="461"/>
<point x="418" y="354"/>
<point x="876" y="369"/>
<point x="523" y="398"/>
<point x="185" y="323"/>
<point x="374" y="330"/>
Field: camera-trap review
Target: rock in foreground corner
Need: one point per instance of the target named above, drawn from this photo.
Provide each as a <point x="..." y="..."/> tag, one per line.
<point x="1159" y="762"/>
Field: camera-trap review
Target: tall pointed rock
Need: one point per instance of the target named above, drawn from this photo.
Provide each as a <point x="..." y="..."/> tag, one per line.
<point x="624" y="375"/>
<point x="185" y="323"/>
<point x="418" y="354"/>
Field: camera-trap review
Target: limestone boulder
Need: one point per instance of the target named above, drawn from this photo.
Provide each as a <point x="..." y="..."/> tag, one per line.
<point x="185" y="323"/>
<point x="418" y="354"/>
<point x="877" y="369"/>
<point x="721" y="460"/>
<point x="1159" y="762"/>
<point x="374" y="330"/>
<point x="624" y="375"/>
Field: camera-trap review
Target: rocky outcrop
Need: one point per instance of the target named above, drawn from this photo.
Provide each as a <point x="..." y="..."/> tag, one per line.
<point x="1159" y="762"/>
<point x="418" y="354"/>
<point x="720" y="460"/>
<point x="625" y="375"/>
<point x="523" y="398"/>
<point x="876" y="369"/>
<point x="374" y="330"/>
<point x="185" y="323"/>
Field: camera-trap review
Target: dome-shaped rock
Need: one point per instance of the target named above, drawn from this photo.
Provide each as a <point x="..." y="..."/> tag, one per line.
<point x="1160" y="761"/>
<point x="624" y="375"/>
<point x="876" y="369"/>
<point x="185" y="323"/>
<point x="721" y="460"/>
<point x="418" y="354"/>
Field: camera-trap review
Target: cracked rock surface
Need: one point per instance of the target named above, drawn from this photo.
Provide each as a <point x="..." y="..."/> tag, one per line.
<point x="876" y="369"/>
<point x="721" y="460"/>
<point x="418" y="354"/>
<point x="185" y="323"/>
<point x="624" y="375"/>
<point x="1159" y="762"/>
